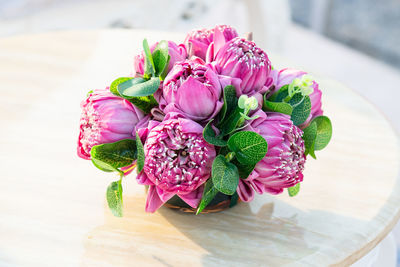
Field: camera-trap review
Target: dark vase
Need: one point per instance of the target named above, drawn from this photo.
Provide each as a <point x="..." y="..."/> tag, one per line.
<point x="219" y="203"/>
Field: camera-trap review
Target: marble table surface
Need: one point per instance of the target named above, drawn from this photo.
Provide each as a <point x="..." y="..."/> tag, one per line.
<point x="53" y="210"/>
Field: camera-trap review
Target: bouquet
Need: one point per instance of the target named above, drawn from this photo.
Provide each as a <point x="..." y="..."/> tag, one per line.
<point x="205" y="122"/>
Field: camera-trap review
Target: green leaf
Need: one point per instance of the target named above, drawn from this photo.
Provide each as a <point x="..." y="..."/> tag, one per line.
<point x="208" y="195"/>
<point x="105" y="167"/>
<point x="301" y="104"/>
<point x="145" y="103"/>
<point x="164" y="72"/>
<point x="210" y="136"/>
<point x="280" y="107"/>
<point x="250" y="147"/>
<point x="228" y="125"/>
<point x="88" y="93"/>
<point x="225" y="175"/>
<point x="244" y="169"/>
<point x="149" y="69"/>
<point x="114" y="198"/>
<point x="112" y="156"/>
<point x="230" y="102"/>
<point x="301" y="110"/>
<point x="140" y="154"/>
<point x="281" y="94"/>
<point x="130" y="89"/>
<point x="224" y="150"/>
<point x="160" y="57"/>
<point x="115" y="83"/>
<point x="324" y="132"/>
<point x="309" y="136"/>
<point x="294" y="190"/>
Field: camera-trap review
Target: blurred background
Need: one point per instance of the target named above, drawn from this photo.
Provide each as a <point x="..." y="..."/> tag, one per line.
<point x="356" y="42"/>
<point x="366" y="25"/>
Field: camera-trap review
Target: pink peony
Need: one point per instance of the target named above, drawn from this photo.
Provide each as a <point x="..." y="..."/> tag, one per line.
<point x="106" y="118"/>
<point x="176" y="52"/>
<point x="178" y="161"/>
<point x="283" y="165"/>
<point x="193" y="89"/>
<point x="241" y="59"/>
<point x="286" y="76"/>
<point x="200" y="39"/>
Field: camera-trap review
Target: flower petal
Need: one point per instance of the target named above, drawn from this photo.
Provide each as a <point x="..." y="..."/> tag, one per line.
<point x="153" y="201"/>
<point x="193" y="198"/>
<point x="245" y="192"/>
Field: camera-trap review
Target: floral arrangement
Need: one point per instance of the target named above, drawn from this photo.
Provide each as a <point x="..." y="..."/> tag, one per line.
<point x="204" y="120"/>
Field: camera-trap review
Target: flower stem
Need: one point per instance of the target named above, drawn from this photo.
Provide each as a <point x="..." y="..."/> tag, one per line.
<point x="287" y="99"/>
<point x="230" y="156"/>
<point x="132" y="167"/>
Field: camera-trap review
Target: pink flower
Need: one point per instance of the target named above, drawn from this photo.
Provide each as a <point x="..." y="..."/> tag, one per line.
<point x="176" y="52"/>
<point x="283" y="165"/>
<point x="241" y="59"/>
<point x="178" y="161"/>
<point x="193" y="89"/>
<point x="286" y="76"/>
<point x="106" y="118"/>
<point x="200" y="39"/>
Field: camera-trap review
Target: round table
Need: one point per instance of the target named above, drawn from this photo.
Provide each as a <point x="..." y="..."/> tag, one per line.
<point x="53" y="210"/>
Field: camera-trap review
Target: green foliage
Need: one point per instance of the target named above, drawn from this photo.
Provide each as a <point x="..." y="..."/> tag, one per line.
<point x="309" y="136"/>
<point x="249" y="147"/>
<point x="208" y="195"/>
<point x="301" y="108"/>
<point x="210" y="136"/>
<point x="280" y="107"/>
<point x="280" y="101"/>
<point x="280" y="95"/>
<point x="109" y="157"/>
<point x="105" y="167"/>
<point x="324" y="132"/>
<point x="145" y="103"/>
<point x="244" y="169"/>
<point x="230" y="102"/>
<point x="225" y="175"/>
<point x="114" y="198"/>
<point x="230" y="123"/>
<point x="118" y="81"/>
<point x="140" y="154"/>
<point x="294" y="190"/>
<point x="149" y="68"/>
<point x="132" y="88"/>
<point x="160" y="58"/>
<point x="317" y="135"/>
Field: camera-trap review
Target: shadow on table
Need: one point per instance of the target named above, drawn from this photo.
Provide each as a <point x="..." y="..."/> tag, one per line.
<point x="265" y="232"/>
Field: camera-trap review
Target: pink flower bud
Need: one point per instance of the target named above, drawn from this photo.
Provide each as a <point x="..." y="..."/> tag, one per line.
<point x="193" y="89"/>
<point x="200" y="39"/>
<point x="283" y="164"/>
<point x="178" y="161"/>
<point x="240" y="58"/>
<point x="106" y="118"/>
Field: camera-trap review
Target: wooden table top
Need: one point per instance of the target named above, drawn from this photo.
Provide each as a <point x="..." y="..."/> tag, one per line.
<point x="52" y="204"/>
